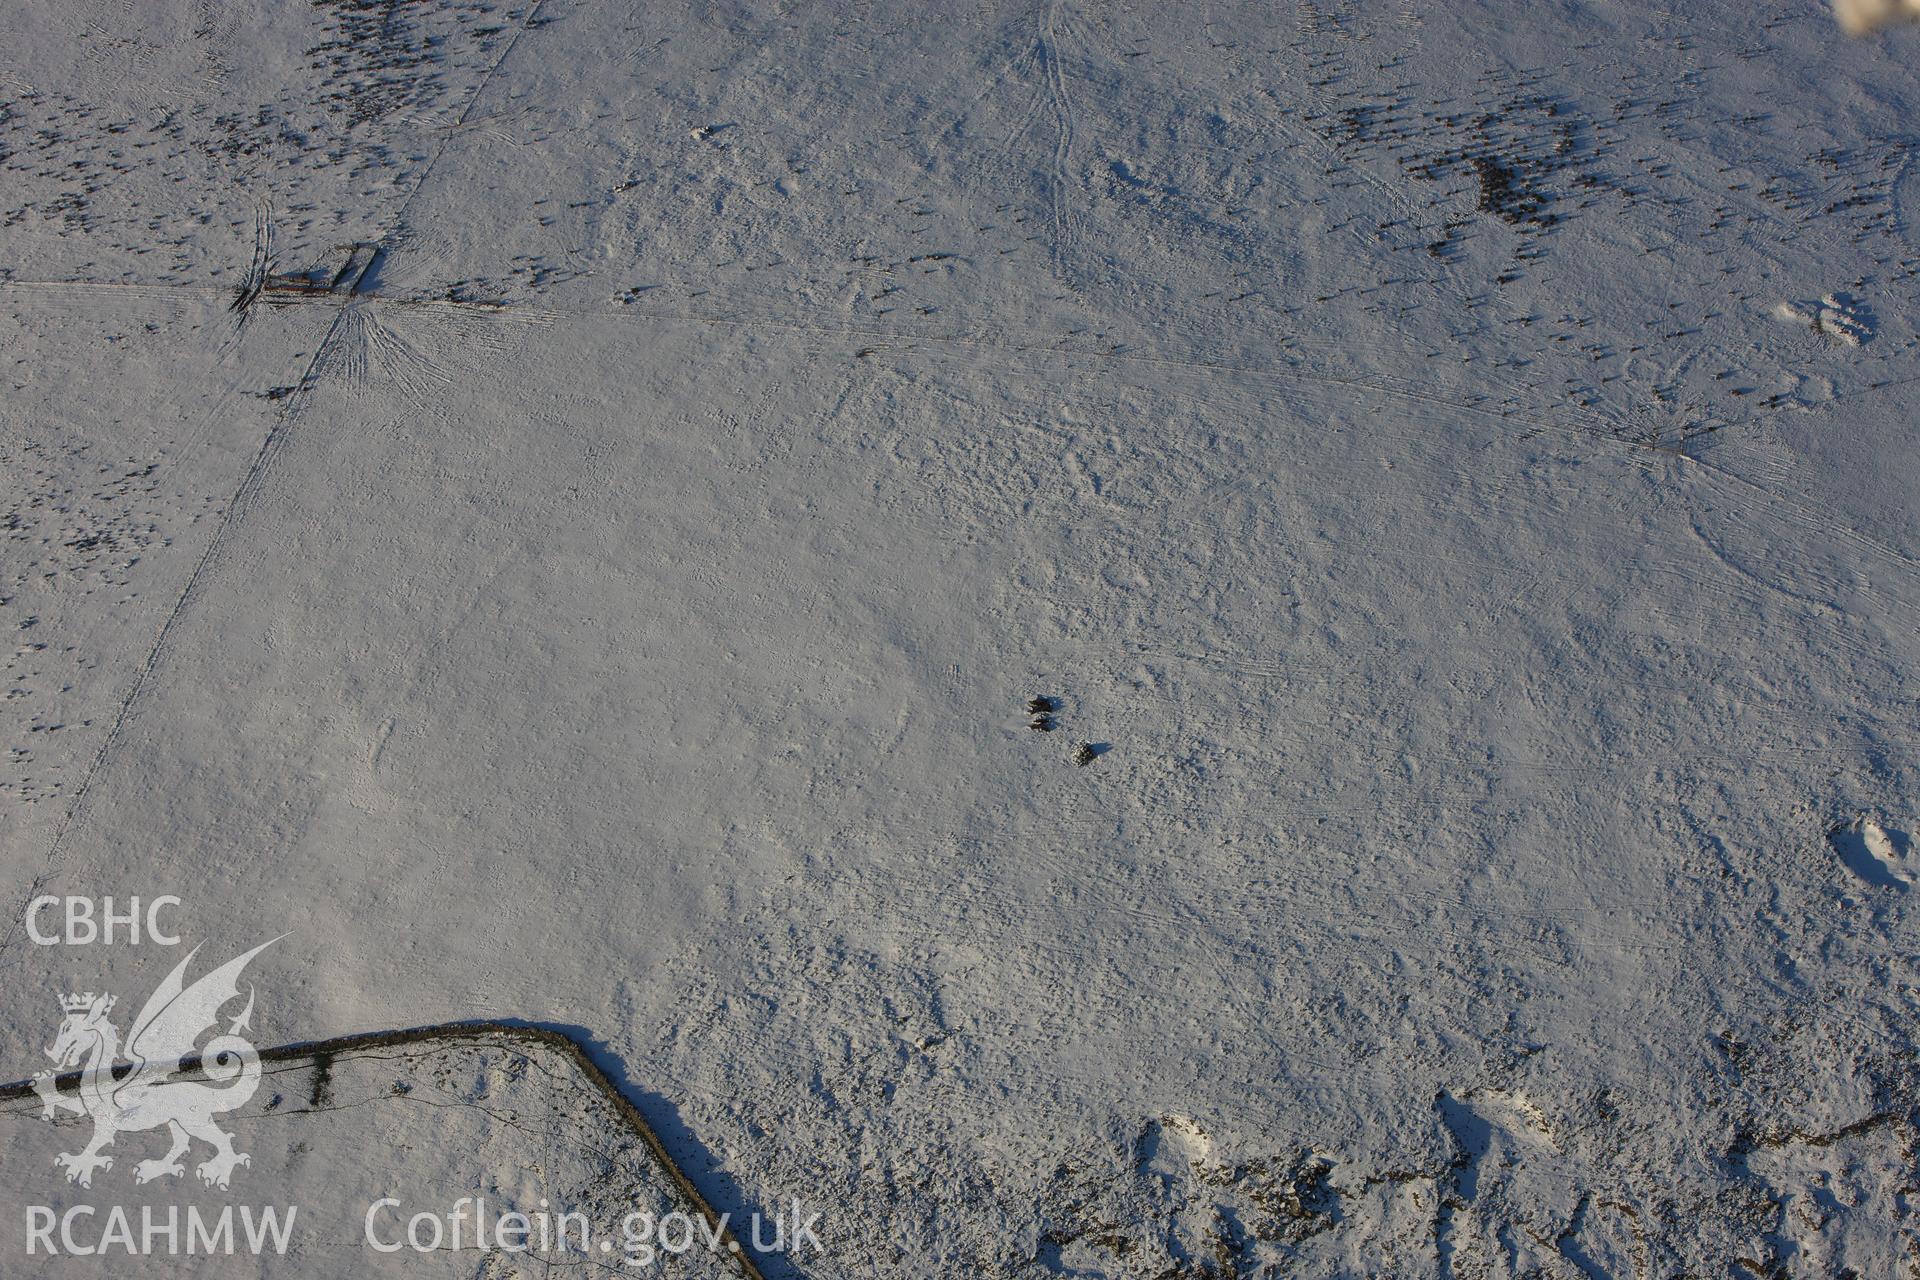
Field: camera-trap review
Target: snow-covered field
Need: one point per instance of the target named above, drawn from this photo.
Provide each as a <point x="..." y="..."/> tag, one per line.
<point x="561" y="508"/>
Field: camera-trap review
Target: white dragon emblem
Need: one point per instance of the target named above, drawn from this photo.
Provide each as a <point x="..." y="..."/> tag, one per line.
<point x="146" y="1095"/>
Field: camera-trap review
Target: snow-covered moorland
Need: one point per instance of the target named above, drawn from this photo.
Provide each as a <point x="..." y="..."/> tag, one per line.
<point x="563" y="509"/>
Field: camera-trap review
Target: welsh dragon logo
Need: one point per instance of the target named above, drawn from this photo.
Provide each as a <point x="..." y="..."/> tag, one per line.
<point x="147" y="1094"/>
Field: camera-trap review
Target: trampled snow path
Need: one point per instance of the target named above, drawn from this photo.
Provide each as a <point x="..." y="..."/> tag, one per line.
<point x="1375" y="427"/>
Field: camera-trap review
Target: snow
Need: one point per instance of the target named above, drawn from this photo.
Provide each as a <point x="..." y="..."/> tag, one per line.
<point x="504" y="1123"/>
<point x="614" y="604"/>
